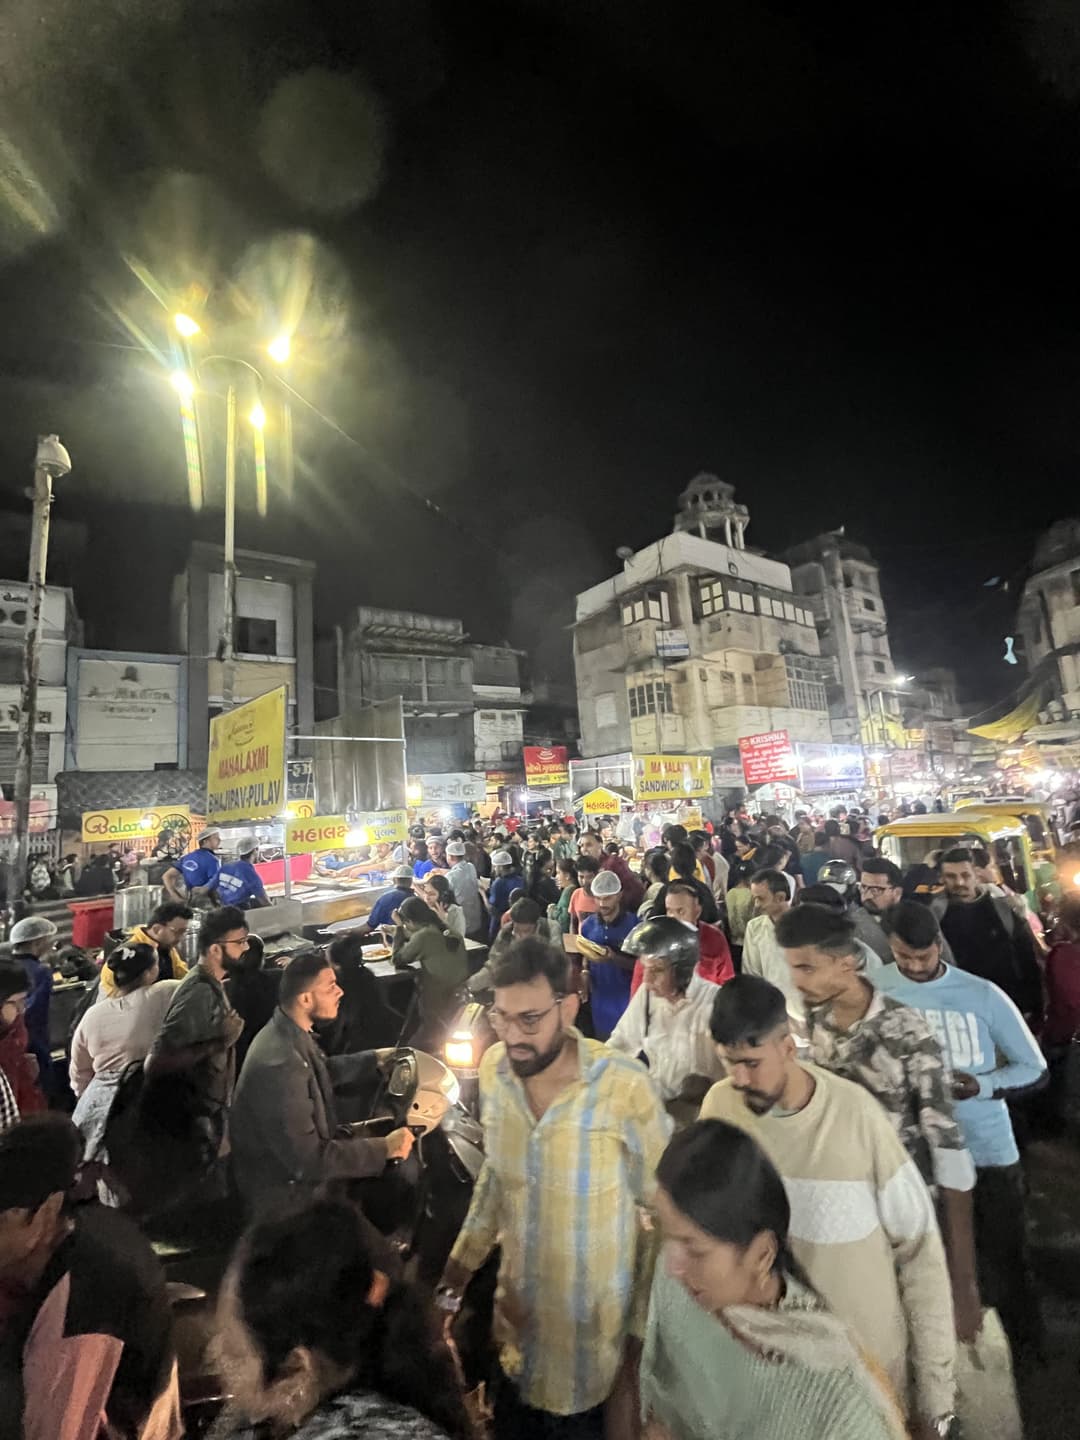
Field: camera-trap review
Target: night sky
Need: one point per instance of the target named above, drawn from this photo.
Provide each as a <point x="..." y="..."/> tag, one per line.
<point x="555" y="258"/>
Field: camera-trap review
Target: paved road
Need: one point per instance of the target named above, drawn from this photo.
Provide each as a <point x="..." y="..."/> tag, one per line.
<point x="1053" y="1396"/>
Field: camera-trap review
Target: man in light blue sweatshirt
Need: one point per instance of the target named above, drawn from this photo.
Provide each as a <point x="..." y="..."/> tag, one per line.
<point x="992" y="1054"/>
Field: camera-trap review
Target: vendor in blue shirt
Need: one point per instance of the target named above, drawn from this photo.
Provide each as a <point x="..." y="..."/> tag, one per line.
<point x="239" y="884"/>
<point x="382" y="912"/>
<point x="610" y="974"/>
<point x="195" y="875"/>
<point x="992" y="1054"/>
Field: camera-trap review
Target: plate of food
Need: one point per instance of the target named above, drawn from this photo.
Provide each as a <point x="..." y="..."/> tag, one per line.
<point x="377" y="952"/>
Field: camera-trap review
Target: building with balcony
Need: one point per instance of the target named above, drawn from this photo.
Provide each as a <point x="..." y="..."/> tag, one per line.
<point x="840" y="580"/>
<point x="273" y="640"/>
<point x="697" y="642"/>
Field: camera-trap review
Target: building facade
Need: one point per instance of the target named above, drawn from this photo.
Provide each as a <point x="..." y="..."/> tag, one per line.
<point x="462" y="703"/>
<point x="1049" y="623"/>
<point x="60" y="628"/>
<point x="274" y="641"/>
<point x="841" y="581"/>
<point x="698" y="642"/>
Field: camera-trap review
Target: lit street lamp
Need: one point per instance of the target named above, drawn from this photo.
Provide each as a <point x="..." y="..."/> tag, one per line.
<point x="51" y="462"/>
<point x="279" y="350"/>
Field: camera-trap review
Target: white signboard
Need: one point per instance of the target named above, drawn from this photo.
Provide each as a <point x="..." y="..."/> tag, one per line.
<point x="127" y="714"/>
<point x="460" y="787"/>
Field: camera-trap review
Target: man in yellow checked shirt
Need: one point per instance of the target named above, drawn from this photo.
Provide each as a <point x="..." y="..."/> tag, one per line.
<point x="573" y="1134"/>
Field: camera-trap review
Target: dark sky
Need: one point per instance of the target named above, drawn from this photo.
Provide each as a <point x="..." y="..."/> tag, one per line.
<point x="558" y="258"/>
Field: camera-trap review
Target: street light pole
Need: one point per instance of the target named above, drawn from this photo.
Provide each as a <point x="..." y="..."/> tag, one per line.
<point x="228" y="620"/>
<point x="51" y="460"/>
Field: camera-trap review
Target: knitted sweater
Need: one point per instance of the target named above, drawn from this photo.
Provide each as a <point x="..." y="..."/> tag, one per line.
<point x="704" y="1382"/>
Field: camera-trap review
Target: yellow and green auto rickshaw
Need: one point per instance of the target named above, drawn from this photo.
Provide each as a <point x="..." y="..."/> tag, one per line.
<point x="1024" y="870"/>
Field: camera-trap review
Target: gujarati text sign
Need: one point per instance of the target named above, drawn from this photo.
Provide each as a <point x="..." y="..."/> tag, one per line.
<point x="768" y="759"/>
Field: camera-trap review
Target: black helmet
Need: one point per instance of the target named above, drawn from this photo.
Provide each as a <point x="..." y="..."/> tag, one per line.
<point x="667" y="939"/>
<point x="839" y="874"/>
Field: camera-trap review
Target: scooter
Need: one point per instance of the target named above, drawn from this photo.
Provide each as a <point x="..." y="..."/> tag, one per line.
<point x="420" y="1203"/>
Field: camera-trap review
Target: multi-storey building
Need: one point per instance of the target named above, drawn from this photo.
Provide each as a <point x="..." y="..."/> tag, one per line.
<point x="839" y="578"/>
<point x="60" y="627"/>
<point x="697" y="642"/>
<point x="273" y="639"/>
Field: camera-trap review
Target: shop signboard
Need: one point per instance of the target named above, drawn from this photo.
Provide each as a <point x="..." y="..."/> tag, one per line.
<point x="600" y="802"/>
<point x="672" y="777"/>
<point x="320" y="833"/>
<point x="828" y="769"/>
<point x="106" y="827"/>
<point x="546" y="765"/>
<point x="384" y="827"/>
<point x="672" y="644"/>
<point x="245" y="778"/>
<point x="42" y="817"/>
<point x="461" y="787"/>
<point x="727" y="775"/>
<point x="768" y="759"/>
<point x="317" y="835"/>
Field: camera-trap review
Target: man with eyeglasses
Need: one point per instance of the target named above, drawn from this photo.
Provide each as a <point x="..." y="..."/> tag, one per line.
<point x="200" y="1029"/>
<point x="573" y="1132"/>
<point x="881" y="886"/>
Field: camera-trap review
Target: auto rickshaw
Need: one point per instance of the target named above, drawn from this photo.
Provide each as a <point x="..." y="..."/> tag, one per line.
<point x="909" y="840"/>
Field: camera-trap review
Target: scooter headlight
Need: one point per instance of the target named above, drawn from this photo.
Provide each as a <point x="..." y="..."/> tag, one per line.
<point x="460" y="1051"/>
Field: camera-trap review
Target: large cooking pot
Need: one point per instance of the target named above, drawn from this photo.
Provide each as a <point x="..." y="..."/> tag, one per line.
<point x="135" y="905"/>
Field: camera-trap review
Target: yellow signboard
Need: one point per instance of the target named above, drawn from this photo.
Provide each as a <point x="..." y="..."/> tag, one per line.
<point x="384" y="827"/>
<point x="672" y="777"/>
<point x="601" y="802"/>
<point x="321" y="833"/>
<point x="301" y="809"/>
<point x="245" y="779"/>
<point x="315" y="836"/>
<point x="691" y="818"/>
<point x="105" y="826"/>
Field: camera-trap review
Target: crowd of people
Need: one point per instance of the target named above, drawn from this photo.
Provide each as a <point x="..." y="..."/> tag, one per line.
<point x="754" y="1119"/>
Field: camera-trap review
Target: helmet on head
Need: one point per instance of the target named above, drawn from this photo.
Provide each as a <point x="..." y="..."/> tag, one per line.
<point x="840" y="875"/>
<point x="665" y="938"/>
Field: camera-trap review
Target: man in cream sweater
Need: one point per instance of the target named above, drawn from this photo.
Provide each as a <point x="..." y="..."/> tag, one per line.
<point x="862" y="1220"/>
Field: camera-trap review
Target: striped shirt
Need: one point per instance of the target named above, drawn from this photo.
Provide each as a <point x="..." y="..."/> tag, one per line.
<point x="560" y="1196"/>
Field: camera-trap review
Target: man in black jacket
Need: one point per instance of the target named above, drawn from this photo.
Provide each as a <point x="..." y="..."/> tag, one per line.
<point x="286" y="1139"/>
<point x="987" y="936"/>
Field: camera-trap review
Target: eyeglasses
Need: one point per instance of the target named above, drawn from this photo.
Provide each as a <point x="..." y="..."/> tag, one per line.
<point x="528" y="1024"/>
<point x="874" y="889"/>
<point x="227" y="943"/>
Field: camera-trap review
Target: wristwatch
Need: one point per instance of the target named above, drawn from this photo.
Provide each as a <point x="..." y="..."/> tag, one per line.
<point x="448" y="1299"/>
